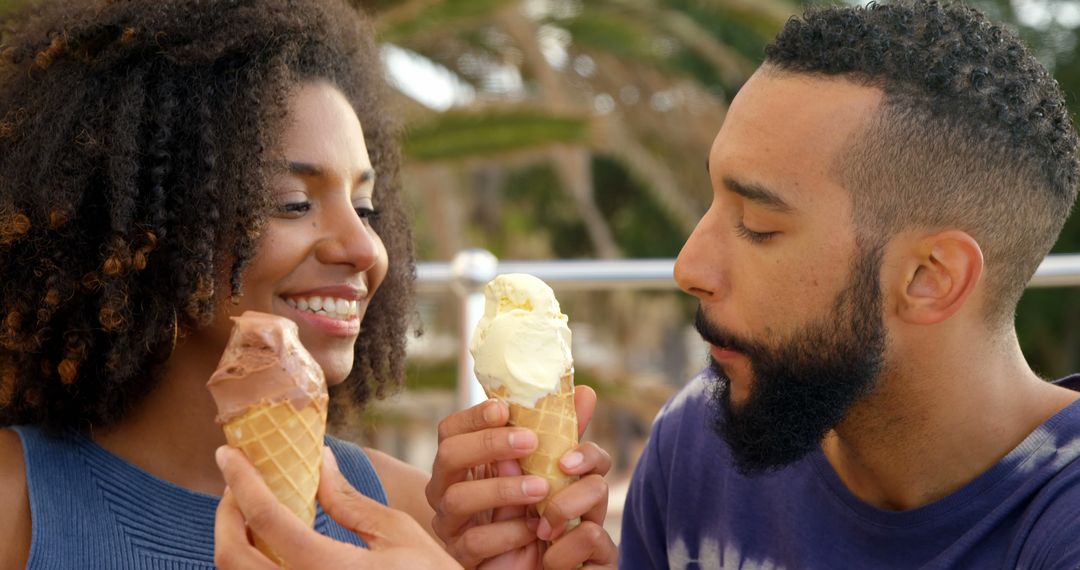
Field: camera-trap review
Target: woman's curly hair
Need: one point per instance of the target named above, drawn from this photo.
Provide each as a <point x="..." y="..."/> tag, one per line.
<point x="137" y="140"/>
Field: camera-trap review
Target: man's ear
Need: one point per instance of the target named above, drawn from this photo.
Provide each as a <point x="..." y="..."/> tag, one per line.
<point x="940" y="271"/>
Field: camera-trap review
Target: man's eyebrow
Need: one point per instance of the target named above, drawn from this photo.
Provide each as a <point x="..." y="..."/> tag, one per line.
<point x="759" y="194"/>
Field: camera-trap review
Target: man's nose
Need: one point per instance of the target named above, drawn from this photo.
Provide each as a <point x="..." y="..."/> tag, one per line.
<point x="699" y="269"/>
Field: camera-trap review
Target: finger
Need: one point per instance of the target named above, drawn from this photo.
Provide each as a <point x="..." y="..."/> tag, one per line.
<point x="588" y="544"/>
<point x="492" y="413"/>
<point x="488" y="541"/>
<point x="266" y="516"/>
<point x="378" y="525"/>
<point x="231" y="546"/>
<point x="586" y="498"/>
<point x="459" y="453"/>
<point x="508" y="468"/>
<point x="584" y="459"/>
<point x="585" y="405"/>
<point x="464" y="500"/>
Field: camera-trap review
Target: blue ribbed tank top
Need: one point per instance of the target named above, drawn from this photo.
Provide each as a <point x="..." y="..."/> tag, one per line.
<point x="92" y="510"/>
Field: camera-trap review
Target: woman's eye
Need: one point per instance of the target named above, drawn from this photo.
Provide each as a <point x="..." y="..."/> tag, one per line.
<point x="751" y="235"/>
<point x="294" y="209"/>
<point x="369" y="214"/>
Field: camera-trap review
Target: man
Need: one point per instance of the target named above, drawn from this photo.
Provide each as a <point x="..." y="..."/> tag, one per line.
<point x="884" y="187"/>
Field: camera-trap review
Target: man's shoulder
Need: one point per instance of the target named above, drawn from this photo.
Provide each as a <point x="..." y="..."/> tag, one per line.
<point x="683" y="424"/>
<point x="691" y="402"/>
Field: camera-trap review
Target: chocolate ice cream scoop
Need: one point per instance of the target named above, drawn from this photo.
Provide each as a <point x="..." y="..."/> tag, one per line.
<point x="264" y="362"/>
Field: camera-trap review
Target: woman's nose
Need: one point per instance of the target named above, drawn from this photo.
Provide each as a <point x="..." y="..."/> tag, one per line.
<point x="349" y="240"/>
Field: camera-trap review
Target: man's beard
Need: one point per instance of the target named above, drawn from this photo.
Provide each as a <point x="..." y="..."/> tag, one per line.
<point x="804" y="385"/>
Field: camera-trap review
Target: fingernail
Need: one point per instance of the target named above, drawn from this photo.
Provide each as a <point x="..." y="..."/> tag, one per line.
<point x="534" y="487"/>
<point x="572" y="459"/>
<point x="543" y="531"/>
<point x="522" y="439"/>
<point x="492" y="413"/>
<point x="220" y="457"/>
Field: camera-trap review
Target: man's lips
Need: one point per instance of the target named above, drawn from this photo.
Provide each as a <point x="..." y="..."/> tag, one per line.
<point x="720" y="353"/>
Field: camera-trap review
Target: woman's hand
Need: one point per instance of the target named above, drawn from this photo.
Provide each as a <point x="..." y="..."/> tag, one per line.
<point x="481" y="498"/>
<point x="394" y="538"/>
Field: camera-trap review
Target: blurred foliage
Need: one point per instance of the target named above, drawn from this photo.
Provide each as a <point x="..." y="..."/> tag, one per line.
<point x="462" y="134"/>
<point x="640" y="88"/>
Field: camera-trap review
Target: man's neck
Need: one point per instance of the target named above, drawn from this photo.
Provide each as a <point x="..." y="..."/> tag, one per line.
<point x="939" y="421"/>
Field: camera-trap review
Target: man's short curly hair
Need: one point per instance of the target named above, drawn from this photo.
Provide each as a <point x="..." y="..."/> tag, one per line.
<point x="973" y="133"/>
<point x="137" y="139"/>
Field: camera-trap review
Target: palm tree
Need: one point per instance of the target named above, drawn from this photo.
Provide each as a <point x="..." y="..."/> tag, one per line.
<point x="641" y="82"/>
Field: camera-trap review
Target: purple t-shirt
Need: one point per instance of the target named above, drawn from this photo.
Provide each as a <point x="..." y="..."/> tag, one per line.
<point x="688" y="508"/>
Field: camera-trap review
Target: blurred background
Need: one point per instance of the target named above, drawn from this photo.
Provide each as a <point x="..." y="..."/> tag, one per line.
<point x="578" y="129"/>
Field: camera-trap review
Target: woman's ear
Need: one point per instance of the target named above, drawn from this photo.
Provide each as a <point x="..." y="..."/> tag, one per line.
<point x="940" y="273"/>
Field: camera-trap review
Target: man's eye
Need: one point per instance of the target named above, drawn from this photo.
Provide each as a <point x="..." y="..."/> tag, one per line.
<point x="751" y="235"/>
<point x="294" y="209"/>
<point x="369" y="214"/>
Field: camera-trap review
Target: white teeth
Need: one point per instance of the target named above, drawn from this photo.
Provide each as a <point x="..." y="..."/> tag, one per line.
<point x="328" y="306"/>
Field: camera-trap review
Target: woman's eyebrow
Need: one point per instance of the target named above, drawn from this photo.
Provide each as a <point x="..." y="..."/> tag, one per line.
<point x="305" y="169"/>
<point x="308" y="169"/>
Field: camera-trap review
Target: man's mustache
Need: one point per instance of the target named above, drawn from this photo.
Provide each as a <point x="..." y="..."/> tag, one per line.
<point x="718" y="336"/>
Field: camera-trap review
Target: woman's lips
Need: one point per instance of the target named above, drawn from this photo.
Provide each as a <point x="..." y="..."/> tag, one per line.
<point x="328" y="325"/>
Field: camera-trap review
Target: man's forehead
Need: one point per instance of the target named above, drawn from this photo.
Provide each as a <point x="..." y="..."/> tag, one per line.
<point x="787" y="129"/>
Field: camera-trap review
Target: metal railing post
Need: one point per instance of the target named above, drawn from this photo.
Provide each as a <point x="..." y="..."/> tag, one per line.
<point x="470" y="270"/>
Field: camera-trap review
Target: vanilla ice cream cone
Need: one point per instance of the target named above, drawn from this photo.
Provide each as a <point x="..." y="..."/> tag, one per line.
<point x="554" y="419"/>
<point x="522" y="352"/>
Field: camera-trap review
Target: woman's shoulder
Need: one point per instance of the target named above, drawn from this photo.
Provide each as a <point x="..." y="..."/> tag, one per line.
<point x="391" y="468"/>
<point x="14" y="523"/>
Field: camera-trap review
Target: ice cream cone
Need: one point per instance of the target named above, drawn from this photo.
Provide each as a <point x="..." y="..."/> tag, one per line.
<point x="272" y="405"/>
<point x="285" y="445"/>
<point x="554" y="419"/>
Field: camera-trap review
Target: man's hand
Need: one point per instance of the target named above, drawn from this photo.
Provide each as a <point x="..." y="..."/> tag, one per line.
<point x="394" y="538"/>
<point x="480" y="496"/>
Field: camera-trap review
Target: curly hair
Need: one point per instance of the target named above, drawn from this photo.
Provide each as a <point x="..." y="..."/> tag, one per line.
<point x="137" y="139"/>
<point x="973" y="132"/>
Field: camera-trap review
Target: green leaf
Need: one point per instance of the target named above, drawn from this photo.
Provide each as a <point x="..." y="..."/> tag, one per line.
<point x="456" y="134"/>
<point x="398" y="26"/>
<point x="613" y="33"/>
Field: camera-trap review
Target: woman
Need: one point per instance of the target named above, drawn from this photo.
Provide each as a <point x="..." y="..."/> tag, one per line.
<point x="140" y="211"/>
<point x="166" y="164"/>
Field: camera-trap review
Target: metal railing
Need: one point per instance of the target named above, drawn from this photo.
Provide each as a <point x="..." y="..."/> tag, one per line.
<point x="472" y="268"/>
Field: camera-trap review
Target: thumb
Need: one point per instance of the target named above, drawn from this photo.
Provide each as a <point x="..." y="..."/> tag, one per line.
<point x="378" y="525"/>
<point x="585" y="405"/>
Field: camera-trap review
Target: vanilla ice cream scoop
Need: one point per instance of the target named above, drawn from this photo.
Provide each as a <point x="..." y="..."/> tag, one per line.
<point x="523" y="342"/>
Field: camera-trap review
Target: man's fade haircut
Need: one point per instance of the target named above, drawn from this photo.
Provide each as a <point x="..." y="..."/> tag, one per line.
<point x="138" y="141"/>
<point x="973" y="132"/>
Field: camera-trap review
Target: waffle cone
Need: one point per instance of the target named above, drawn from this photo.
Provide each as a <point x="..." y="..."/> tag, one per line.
<point x="554" y="419"/>
<point x="285" y="445"/>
